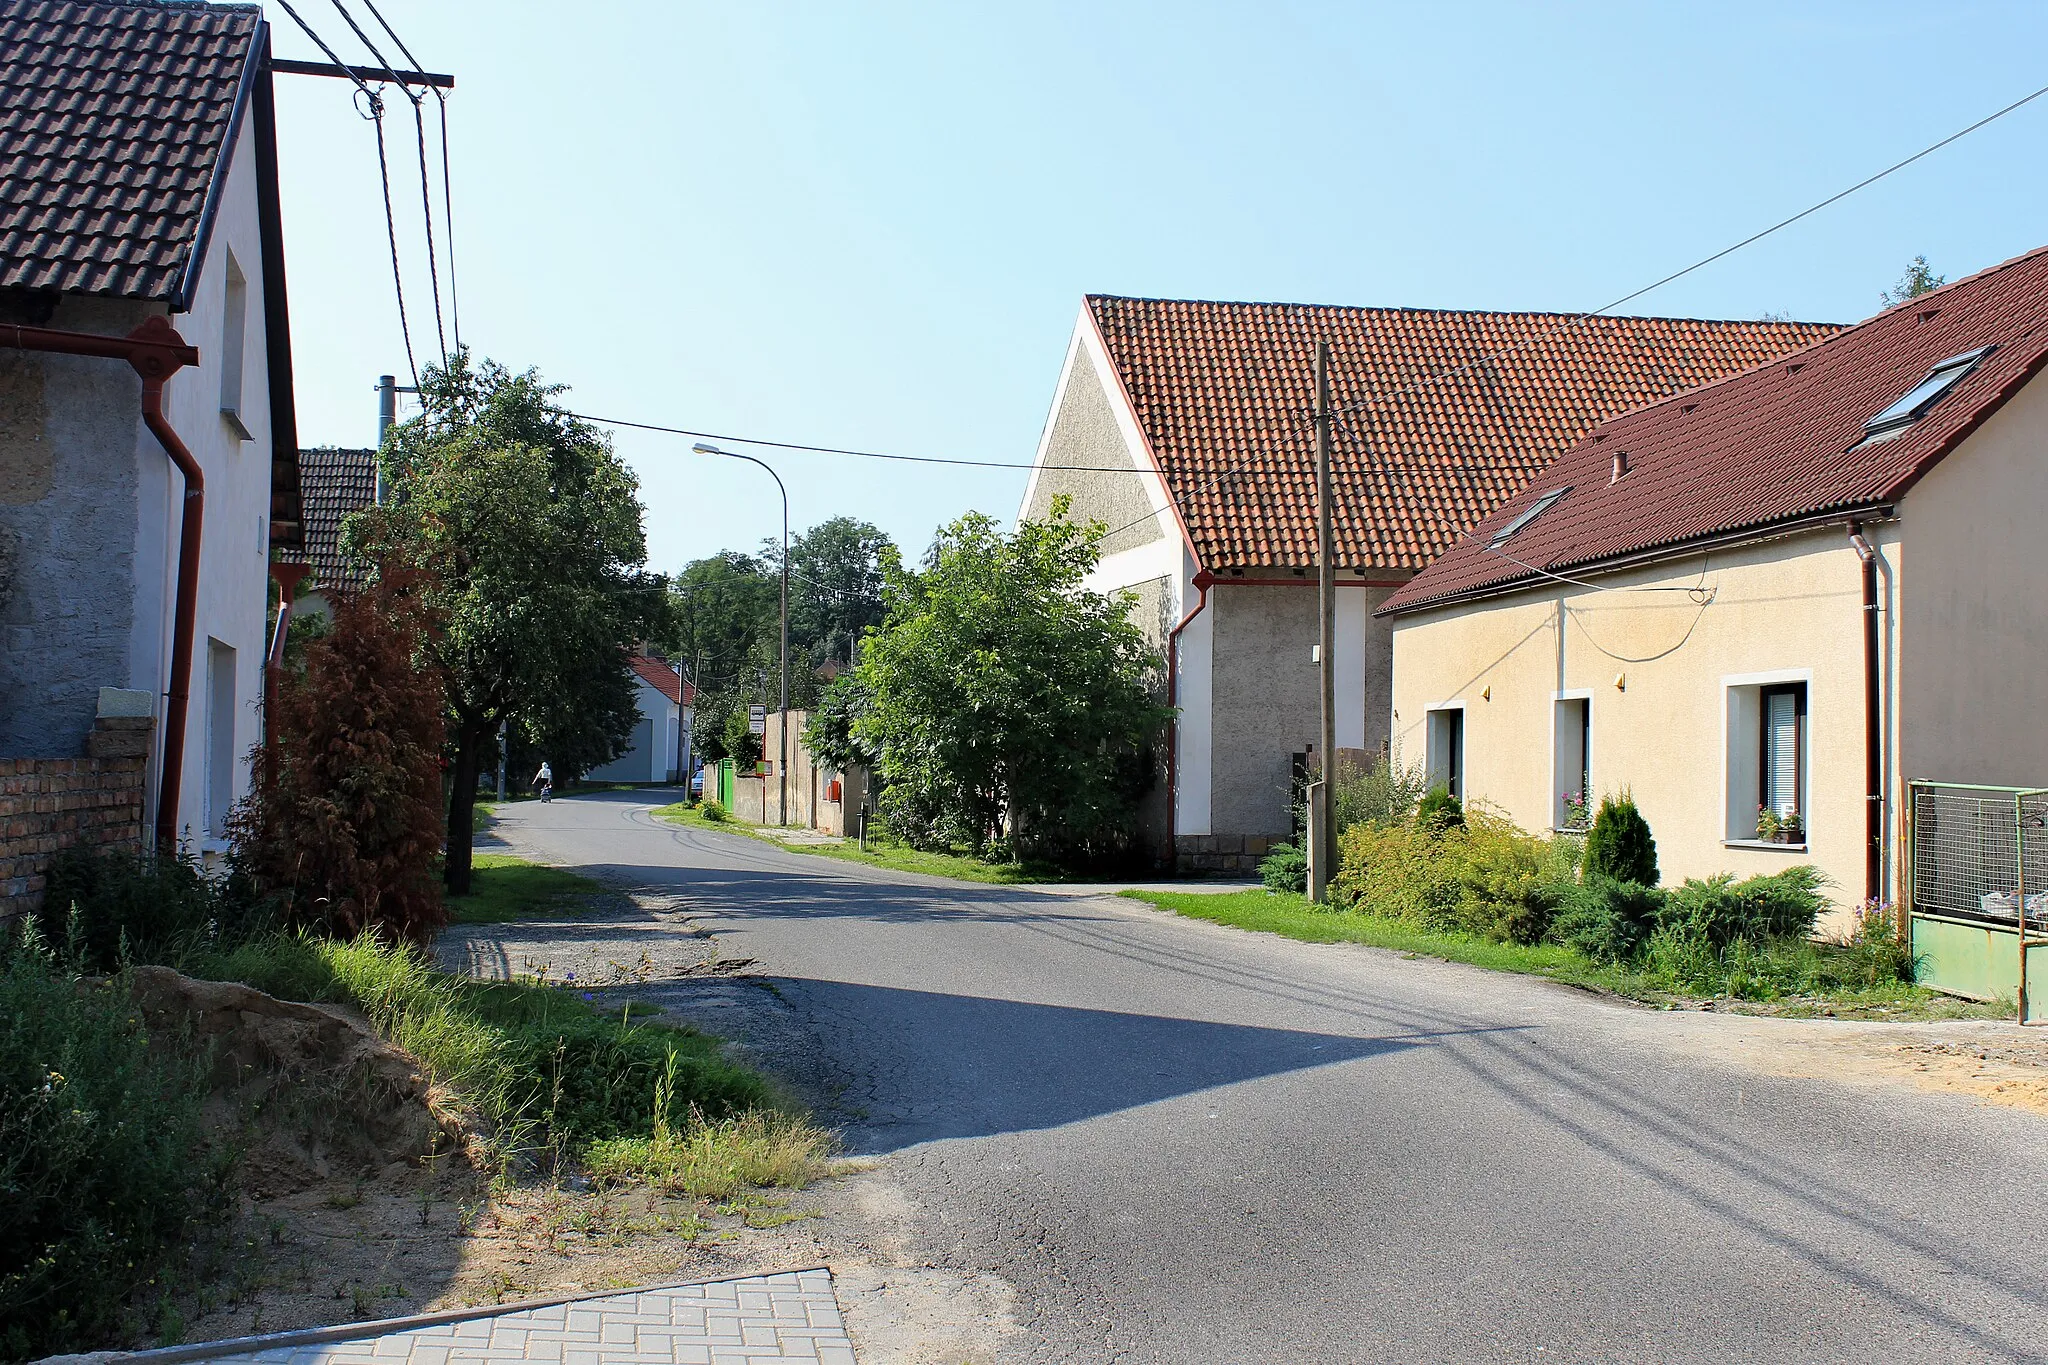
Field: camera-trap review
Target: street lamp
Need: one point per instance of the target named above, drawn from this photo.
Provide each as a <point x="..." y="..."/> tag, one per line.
<point x="782" y="725"/>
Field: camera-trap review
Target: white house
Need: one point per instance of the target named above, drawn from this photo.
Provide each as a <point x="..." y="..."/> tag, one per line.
<point x="140" y="267"/>
<point x="1183" y="427"/>
<point x="667" y="705"/>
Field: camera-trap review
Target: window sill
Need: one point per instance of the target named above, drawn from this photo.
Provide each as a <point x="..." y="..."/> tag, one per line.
<point x="233" y="420"/>
<point x="1763" y="845"/>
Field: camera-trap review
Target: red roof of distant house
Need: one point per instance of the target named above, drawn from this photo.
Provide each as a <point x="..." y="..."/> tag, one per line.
<point x="655" y="672"/>
<point x="1778" y="443"/>
<point x="1460" y="409"/>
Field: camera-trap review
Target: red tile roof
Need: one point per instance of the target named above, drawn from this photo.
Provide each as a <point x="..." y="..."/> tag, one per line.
<point x="656" y="673"/>
<point x="1222" y="392"/>
<point x="332" y="484"/>
<point x="113" y="117"/>
<point x="1779" y="443"/>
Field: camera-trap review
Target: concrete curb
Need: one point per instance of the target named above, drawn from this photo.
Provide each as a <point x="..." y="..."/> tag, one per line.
<point x="356" y="1331"/>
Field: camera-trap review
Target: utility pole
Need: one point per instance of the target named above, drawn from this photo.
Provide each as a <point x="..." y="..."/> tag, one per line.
<point x="1322" y="839"/>
<point x="387" y="417"/>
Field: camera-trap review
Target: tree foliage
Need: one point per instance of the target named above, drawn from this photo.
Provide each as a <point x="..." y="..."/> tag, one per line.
<point x="348" y="830"/>
<point x="1619" y="847"/>
<point x="1006" y="706"/>
<point x="530" y="528"/>
<point x="1918" y="279"/>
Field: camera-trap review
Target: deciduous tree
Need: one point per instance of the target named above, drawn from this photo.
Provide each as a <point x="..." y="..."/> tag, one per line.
<point x="530" y="528"/>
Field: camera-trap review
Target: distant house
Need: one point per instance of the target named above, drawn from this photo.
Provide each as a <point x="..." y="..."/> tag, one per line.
<point x="1184" y="428"/>
<point x="660" y="739"/>
<point x="138" y="223"/>
<point x="1764" y="604"/>
<point x="332" y="483"/>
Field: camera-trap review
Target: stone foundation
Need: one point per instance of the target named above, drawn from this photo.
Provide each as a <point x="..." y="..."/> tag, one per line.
<point x="1222" y="855"/>
<point x="51" y="804"/>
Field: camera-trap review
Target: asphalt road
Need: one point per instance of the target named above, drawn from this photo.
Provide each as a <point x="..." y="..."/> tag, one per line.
<point x="1182" y="1143"/>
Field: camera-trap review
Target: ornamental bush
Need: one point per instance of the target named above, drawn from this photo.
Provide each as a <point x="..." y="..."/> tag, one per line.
<point x="1439" y="811"/>
<point x="1483" y="877"/>
<point x="1607" y="920"/>
<point x="1719" y="910"/>
<point x="1619" y="847"/>
<point x="1284" y="869"/>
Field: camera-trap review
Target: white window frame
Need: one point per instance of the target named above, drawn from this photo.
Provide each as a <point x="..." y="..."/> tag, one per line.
<point x="234" y="334"/>
<point x="1432" y="771"/>
<point x="1578" y="694"/>
<point x="1740" y="778"/>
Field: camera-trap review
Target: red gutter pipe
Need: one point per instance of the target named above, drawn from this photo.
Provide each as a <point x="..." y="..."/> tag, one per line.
<point x="156" y="352"/>
<point x="288" y="577"/>
<point x="1204" y="580"/>
<point x="1873" y="767"/>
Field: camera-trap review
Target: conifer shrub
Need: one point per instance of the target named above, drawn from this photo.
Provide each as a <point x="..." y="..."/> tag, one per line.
<point x="1619" y="847"/>
<point x="1284" y="869"/>
<point x="1719" y="910"/>
<point x="1607" y="920"/>
<point x="348" y="834"/>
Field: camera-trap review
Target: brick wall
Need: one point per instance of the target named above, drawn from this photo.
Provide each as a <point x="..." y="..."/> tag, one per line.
<point x="48" y="804"/>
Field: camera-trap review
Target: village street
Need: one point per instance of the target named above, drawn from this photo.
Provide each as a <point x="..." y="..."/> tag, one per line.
<point x="1174" y="1141"/>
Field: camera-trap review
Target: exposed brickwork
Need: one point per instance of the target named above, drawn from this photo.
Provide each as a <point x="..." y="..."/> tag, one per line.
<point x="48" y="804"/>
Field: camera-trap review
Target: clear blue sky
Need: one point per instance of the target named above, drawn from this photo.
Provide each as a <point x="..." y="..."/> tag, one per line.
<point x="871" y="225"/>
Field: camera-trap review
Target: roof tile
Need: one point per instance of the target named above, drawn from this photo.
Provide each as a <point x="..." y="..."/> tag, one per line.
<point x="1779" y="442"/>
<point x="1456" y="411"/>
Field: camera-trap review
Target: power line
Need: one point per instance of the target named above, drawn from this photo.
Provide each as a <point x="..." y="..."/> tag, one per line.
<point x="447" y="195"/>
<point x="1755" y="237"/>
<point x="419" y="119"/>
<point x="859" y="454"/>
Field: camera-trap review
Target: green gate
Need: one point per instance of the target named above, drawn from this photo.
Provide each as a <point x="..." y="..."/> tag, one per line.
<point x="1977" y="890"/>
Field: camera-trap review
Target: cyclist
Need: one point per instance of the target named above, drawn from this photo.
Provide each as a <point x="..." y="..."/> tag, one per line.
<point x="544" y="781"/>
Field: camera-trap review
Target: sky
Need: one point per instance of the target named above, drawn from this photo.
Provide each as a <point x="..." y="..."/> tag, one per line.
<point x="872" y="225"/>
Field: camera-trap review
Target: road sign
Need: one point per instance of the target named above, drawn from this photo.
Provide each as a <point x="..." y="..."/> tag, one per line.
<point x="757" y="720"/>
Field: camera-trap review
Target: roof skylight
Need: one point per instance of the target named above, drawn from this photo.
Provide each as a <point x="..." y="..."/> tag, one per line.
<point x="1908" y="408"/>
<point x="1535" y="510"/>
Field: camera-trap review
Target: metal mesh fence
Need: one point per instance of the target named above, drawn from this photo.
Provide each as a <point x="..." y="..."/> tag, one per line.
<point x="1981" y="853"/>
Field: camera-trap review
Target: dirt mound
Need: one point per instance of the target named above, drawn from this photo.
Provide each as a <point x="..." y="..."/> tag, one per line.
<point x="312" y="1090"/>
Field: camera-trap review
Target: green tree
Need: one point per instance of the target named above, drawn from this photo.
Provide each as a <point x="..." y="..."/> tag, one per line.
<point x="1619" y="847"/>
<point x="835" y="589"/>
<point x="719" y="609"/>
<point x="1919" y="279"/>
<point x="1006" y="704"/>
<point x="530" y="529"/>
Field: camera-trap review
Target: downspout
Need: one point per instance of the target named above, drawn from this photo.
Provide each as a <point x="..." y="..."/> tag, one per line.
<point x="1203" y="581"/>
<point x="1873" y="769"/>
<point x="156" y="352"/>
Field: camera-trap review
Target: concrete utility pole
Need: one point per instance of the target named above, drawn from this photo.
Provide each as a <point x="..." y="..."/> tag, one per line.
<point x="1322" y="858"/>
<point x="387" y="417"/>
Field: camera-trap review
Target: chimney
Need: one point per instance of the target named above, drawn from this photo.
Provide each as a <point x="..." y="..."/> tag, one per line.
<point x="1620" y="467"/>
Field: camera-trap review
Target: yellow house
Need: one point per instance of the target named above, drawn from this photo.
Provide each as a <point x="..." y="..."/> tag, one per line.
<point x="1766" y="604"/>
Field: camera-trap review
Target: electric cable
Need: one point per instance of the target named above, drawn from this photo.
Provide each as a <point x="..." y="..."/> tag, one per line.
<point x="1574" y="319"/>
<point x="419" y="119"/>
<point x="447" y="196"/>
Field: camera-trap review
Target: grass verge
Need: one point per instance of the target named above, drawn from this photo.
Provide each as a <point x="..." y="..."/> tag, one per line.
<point x="960" y="866"/>
<point x="503" y="888"/>
<point x="1294" y="916"/>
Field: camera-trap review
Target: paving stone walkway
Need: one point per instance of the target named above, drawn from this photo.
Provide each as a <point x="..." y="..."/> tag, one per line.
<point x="791" y="1316"/>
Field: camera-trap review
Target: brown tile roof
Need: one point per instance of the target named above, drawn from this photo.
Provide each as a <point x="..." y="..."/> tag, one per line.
<point x="332" y="484"/>
<point x="112" y="119"/>
<point x="656" y="673"/>
<point x="1222" y="392"/>
<point x="1782" y="442"/>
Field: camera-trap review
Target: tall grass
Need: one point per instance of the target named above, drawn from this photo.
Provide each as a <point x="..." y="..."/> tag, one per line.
<point x="540" y="1066"/>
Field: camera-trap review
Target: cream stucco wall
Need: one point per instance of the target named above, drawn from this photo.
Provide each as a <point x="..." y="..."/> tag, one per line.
<point x="1974" y="626"/>
<point x="1657" y="667"/>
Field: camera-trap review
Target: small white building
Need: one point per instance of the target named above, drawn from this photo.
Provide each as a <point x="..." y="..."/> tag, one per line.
<point x="140" y="191"/>
<point x="660" y="739"/>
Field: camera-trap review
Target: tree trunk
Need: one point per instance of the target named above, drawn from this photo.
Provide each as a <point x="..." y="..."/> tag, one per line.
<point x="461" y="807"/>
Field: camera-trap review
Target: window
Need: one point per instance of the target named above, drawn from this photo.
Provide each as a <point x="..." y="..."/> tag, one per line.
<point x="233" y="327"/>
<point x="1770" y="748"/>
<point x="1515" y="527"/>
<point x="1781" y="755"/>
<point x="220" y="737"/>
<point x="1924" y="395"/>
<point x="1444" y="750"/>
<point x="1571" y="762"/>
